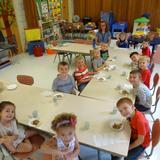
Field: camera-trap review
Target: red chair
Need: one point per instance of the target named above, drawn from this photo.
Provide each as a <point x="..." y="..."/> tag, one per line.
<point x="152" y="67"/>
<point x="155" y="82"/>
<point x="155" y="105"/>
<point x="25" y="79"/>
<point x="155" y="137"/>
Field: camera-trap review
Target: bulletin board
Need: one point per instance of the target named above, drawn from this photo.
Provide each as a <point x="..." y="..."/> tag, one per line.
<point x="32" y="34"/>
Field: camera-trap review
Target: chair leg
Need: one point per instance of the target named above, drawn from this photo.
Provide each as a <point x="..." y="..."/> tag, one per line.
<point x="99" y="154"/>
<point x="152" y="116"/>
<point x="59" y="57"/>
<point x="55" y="57"/>
<point x="79" y="157"/>
<point x="153" y="91"/>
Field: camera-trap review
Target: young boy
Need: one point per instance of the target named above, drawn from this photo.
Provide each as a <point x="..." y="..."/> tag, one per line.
<point x="145" y="72"/>
<point x="140" y="133"/>
<point x="64" y="82"/>
<point x="143" y="95"/>
<point x="145" y="48"/>
<point x="122" y="40"/>
<point x="104" y="51"/>
<point x="98" y="63"/>
<point x="134" y="56"/>
<point x="81" y="74"/>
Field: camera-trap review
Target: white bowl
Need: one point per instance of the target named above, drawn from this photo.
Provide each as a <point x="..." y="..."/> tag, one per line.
<point x="117" y="125"/>
<point x="31" y="122"/>
<point x="47" y="93"/>
<point x="101" y="78"/>
<point x="58" y="95"/>
<point x="12" y="86"/>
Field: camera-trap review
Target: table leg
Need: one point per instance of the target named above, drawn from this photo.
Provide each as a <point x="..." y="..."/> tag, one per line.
<point x="99" y="154"/>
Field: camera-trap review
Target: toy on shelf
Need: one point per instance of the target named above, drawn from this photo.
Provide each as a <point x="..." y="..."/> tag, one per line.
<point x="55" y="9"/>
<point x="141" y="26"/>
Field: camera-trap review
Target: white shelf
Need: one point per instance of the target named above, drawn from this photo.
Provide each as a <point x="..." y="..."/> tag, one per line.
<point x="47" y="22"/>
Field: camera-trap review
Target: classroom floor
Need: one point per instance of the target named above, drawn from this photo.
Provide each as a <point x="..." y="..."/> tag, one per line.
<point x="44" y="71"/>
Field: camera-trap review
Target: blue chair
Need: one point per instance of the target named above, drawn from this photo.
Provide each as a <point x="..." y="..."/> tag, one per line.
<point x="119" y="27"/>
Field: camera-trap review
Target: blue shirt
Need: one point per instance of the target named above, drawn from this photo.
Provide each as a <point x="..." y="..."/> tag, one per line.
<point x="66" y="86"/>
<point x="144" y="95"/>
<point x="123" y="44"/>
<point x="103" y="37"/>
<point x="98" y="62"/>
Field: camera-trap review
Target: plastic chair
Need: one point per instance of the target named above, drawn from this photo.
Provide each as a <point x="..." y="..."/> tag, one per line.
<point x="155" y="105"/>
<point x="155" y="82"/>
<point x="152" y="67"/>
<point x="25" y="79"/>
<point x="155" y="137"/>
<point x="5" y="153"/>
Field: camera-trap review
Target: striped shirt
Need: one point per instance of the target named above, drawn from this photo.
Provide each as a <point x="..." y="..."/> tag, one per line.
<point x="80" y="74"/>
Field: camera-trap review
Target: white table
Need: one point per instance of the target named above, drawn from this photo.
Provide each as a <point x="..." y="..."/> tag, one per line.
<point x="97" y="114"/>
<point x="75" y="48"/>
<point x="106" y="90"/>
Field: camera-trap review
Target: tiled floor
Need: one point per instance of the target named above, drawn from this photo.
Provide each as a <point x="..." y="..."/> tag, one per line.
<point x="44" y="71"/>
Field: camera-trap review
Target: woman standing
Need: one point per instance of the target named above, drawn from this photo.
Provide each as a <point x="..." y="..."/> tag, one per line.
<point x="103" y="35"/>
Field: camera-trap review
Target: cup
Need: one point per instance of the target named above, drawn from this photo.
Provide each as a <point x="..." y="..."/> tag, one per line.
<point x="35" y="114"/>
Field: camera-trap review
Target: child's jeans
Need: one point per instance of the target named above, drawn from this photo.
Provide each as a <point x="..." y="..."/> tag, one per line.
<point x="82" y="86"/>
<point x="141" y="108"/>
<point x="133" y="154"/>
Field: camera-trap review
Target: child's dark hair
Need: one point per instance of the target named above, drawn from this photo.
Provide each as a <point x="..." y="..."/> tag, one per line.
<point x="124" y="100"/>
<point x="133" y="53"/>
<point x="146" y="40"/>
<point x="63" y="63"/>
<point x="136" y="72"/>
<point x="3" y="104"/>
<point x="64" y="120"/>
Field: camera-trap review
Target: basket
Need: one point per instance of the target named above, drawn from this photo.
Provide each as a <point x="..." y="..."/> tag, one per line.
<point x="51" y="51"/>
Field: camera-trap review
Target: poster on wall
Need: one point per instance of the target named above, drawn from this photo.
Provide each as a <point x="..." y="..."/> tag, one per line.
<point x="44" y="7"/>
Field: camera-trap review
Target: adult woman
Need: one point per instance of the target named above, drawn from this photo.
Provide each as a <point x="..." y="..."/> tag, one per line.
<point x="103" y="35"/>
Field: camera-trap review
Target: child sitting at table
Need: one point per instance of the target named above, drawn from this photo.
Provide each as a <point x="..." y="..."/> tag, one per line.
<point x="104" y="51"/>
<point x="64" y="82"/>
<point x="134" y="56"/>
<point x="97" y="62"/>
<point x="145" y="48"/>
<point x="140" y="132"/>
<point x="81" y="74"/>
<point x="64" y="145"/>
<point x="122" y="40"/>
<point x="15" y="139"/>
<point x="143" y="95"/>
<point x="145" y="72"/>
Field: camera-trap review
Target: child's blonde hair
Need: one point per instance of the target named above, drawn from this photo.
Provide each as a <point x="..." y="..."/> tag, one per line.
<point x="144" y="59"/>
<point x="64" y="120"/>
<point x="79" y="57"/>
<point x="95" y="51"/>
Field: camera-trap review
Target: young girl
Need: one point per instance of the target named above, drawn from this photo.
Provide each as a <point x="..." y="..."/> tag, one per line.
<point x="64" y="146"/>
<point x="81" y="74"/>
<point x="14" y="138"/>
